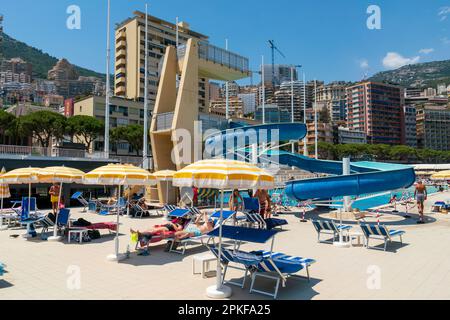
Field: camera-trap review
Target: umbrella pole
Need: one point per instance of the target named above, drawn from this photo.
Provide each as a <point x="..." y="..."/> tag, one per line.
<point x="116" y="257"/>
<point x="55" y="227"/>
<point x="219" y="291"/>
<point x="128" y="204"/>
<point x="1" y="216"/>
<point x="167" y="192"/>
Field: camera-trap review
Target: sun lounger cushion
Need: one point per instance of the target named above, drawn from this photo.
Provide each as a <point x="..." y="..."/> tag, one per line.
<point x="273" y="223"/>
<point x="103" y="226"/>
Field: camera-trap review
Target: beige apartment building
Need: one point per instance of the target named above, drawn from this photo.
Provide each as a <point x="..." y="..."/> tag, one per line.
<point x="130" y="56"/>
<point x="123" y="112"/>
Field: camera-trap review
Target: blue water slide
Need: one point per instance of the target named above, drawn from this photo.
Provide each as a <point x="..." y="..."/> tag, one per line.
<point x="365" y="178"/>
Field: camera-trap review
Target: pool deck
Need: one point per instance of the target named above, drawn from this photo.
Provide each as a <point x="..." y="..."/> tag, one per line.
<point x="420" y="269"/>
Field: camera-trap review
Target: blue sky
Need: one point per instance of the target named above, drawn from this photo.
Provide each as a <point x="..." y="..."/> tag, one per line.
<point x="330" y="38"/>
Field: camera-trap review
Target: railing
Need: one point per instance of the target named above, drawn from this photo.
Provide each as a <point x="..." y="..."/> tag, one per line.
<point x="222" y="56"/>
<point x="164" y="121"/>
<point x="215" y="54"/>
<point x="49" y="152"/>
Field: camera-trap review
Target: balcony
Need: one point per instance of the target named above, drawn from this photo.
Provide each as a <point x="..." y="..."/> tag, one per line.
<point x="164" y="121"/>
<point x="120" y="63"/>
<point x="120" y="90"/>
<point x="121" y="35"/>
<point x="122" y="53"/>
<point x="121" y="44"/>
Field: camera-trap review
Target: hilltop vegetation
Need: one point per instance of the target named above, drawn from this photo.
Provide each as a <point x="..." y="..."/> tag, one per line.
<point x="41" y="61"/>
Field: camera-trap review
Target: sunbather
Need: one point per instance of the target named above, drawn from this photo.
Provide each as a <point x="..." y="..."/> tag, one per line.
<point x="197" y="229"/>
<point x="173" y="226"/>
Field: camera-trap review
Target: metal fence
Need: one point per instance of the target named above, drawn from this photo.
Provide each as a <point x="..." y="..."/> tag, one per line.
<point x="218" y="55"/>
<point x="164" y="121"/>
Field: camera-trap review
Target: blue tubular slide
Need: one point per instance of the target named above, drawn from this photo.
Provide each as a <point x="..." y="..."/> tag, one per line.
<point x="365" y="178"/>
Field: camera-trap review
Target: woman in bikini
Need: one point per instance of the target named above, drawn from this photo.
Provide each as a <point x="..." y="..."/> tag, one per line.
<point x="197" y="229"/>
<point x="236" y="201"/>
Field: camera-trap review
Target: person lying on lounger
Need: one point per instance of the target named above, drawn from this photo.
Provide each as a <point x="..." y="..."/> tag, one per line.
<point x="197" y="229"/>
<point x="173" y="226"/>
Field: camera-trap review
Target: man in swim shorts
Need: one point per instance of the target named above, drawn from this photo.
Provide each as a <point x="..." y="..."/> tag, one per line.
<point x="421" y="196"/>
<point x="54" y="197"/>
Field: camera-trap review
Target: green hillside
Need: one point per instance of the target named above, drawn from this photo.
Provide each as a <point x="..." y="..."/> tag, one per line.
<point x="421" y="75"/>
<point x="41" y="61"/>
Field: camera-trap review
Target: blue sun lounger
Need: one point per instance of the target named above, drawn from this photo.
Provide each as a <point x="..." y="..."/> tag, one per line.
<point x="259" y="264"/>
<point x="329" y="227"/>
<point x="2" y="269"/>
<point x="29" y="215"/>
<point x="79" y="197"/>
<point x="380" y="232"/>
<point x="254" y="218"/>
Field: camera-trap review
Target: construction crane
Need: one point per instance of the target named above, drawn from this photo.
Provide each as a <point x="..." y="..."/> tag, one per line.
<point x="274" y="48"/>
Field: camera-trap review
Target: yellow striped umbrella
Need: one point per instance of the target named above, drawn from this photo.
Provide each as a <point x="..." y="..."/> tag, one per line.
<point x="20" y="176"/>
<point x="59" y="175"/>
<point x="223" y="174"/>
<point x="4" y="191"/>
<point x="443" y="175"/>
<point x="120" y="175"/>
<point x="164" y="175"/>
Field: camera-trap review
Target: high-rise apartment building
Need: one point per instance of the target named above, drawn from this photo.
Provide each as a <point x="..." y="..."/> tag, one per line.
<point x="282" y="74"/>
<point x="249" y="102"/>
<point x="376" y="109"/>
<point x="283" y="98"/>
<point x="233" y="89"/>
<point x="433" y="128"/>
<point x="410" y="126"/>
<point x="214" y="91"/>
<point x="235" y="107"/>
<point x="130" y="56"/>
<point x="333" y="95"/>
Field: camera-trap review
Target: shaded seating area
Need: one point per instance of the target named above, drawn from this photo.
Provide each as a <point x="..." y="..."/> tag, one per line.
<point x="329" y="227"/>
<point x="278" y="267"/>
<point x="380" y="232"/>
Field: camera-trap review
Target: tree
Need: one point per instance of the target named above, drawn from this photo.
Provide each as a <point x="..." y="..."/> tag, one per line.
<point x="86" y="127"/>
<point x="133" y="134"/>
<point x="43" y="126"/>
<point x="6" y="124"/>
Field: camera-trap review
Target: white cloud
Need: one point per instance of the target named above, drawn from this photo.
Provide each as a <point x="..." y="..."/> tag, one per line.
<point x="443" y="13"/>
<point x="394" y="60"/>
<point x="364" y="64"/>
<point x="426" y="50"/>
<point x="445" y="40"/>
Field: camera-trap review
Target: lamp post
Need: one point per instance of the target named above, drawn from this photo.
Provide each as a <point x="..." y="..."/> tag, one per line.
<point x="108" y="90"/>
<point x="305" y="145"/>
<point x="293" y="67"/>
<point x="263" y="92"/>
<point x="145" y="149"/>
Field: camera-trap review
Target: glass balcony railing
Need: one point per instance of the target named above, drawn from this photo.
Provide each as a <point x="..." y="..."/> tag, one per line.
<point x="218" y="55"/>
<point x="164" y="121"/>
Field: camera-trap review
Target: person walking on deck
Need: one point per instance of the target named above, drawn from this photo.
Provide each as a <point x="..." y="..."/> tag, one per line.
<point x="421" y="196"/>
